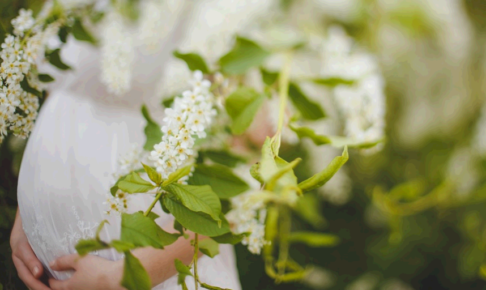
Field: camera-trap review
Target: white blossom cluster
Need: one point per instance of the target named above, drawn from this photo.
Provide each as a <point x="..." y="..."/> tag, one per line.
<point x="189" y="117"/>
<point x="248" y="216"/>
<point x="362" y="104"/>
<point x="117" y="54"/>
<point x="19" y="52"/>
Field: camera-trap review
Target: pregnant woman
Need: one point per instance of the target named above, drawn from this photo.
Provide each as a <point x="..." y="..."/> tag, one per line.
<point x="73" y="152"/>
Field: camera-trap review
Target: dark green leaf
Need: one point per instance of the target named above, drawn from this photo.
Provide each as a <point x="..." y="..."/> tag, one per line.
<point x="230" y="238"/>
<point x="142" y="231"/>
<point x="176" y="175"/>
<point x="193" y="60"/>
<point x="222" y="157"/>
<point x="333" y="82"/>
<point x="222" y="181"/>
<point x="45" y="78"/>
<point x="309" y="110"/>
<point x="83" y="247"/>
<point x="209" y="247"/>
<point x="54" y="58"/>
<point x="242" y="106"/>
<point x="80" y="33"/>
<point x="152" y="174"/>
<point x="269" y="78"/>
<point x="197" y="198"/>
<point x="24" y="84"/>
<point x="153" y="133"/>
<point x="244" y="55"/>
<point x="168" y="102"/>
<point x="314" y="239"/>
<point x="183" y="271"/>
<point x="133" y="183"/>
<point x="135" y="277"/>
<point x="63" y="33"/>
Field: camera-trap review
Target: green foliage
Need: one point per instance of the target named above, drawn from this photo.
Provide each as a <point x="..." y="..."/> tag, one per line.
<point x="305" y="132"/>
<point x="45" y="78"/>
<point x="121" y="246"/>
<point x="314" y="239"/>
<point x="142" y="231"/>
<point x="197" y="198"/>
<point x="133" y="183"/>
<point x="153" y="134"/>
<point x="24" y="84"/>
<point x="222" y="181"/>
<point x="176" y="175"/>
<point x="209" y="247"/>
<point x="333" y="82"/>
<point x="80" y="33"/>
<point x="242" y="106"/>
<point x="308" y="109"/>
<point x="223" y="157"/>
<point x="134" y="275"/>
<point x="54" y="58"/>
<point x="152" y="174"/>
<point x="229" y="238"/>
<point x="268" y="77"/>
<point x="193" y="60"/>
<point x="324" y="176"/>
<point x="83" y="247"/>
<point x="183" y="271"/>
<point x="244" y="55"/>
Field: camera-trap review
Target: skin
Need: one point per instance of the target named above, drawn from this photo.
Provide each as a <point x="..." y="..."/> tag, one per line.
<point x="92" y="272"/>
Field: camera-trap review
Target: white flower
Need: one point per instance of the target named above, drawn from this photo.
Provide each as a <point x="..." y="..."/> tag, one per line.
<point x="23" y="22"/>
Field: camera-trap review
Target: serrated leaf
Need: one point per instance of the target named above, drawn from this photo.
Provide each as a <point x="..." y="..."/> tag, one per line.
<point x="133" y="183"/>
<point x="152" y="174"/>
<point x="314" y="239"/>
<point x="333" y="82"/>
<point x="54" y="58"/>
<point x="142" y="231"/>
<point x="244" y="55"/>
<point x="197" y="198"/>
<point x="196" y="221"/>
<point x="324" y="176"/>
<point x="24" y="84"/>
<point x="305" y="132"/>
<point x="220" y="178"/>
<point x="230" y="238"/>
<point x="268" y="77"/>
<point x="176" y="175"/>
<point x="84" y="247"/>
<point x="121" y="246"/>
<point x="308" y="109"/>
<point x="209" y="247"/>
<point x="193" y="60"/>
<point x="223" y="157"/>
<point x="153" y="133"/>
<point x="135" y="277"/>
<point x="80" y="33"/>
<point x="242" y="107"/>
<point x="45" y="78"/>
<point x="182" y="270"/>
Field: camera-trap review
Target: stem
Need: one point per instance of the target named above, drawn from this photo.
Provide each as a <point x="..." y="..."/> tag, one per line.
<point x="157" y="197"/>
<point x="196" y="254"/>
<point x="284" y="232"/>
<point x="283" y="92"/>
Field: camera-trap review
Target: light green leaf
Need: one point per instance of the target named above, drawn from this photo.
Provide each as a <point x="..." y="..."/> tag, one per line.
<point x="209" y="247"/>
<point x="133" y="183"/>
<point x="309" y="110"/>
<point x="142" y="231"/>
<point x="135" y="277"/>
<point x="255" y="172"/>
<point x="268" y="166"/>
<point x="222" y="181"/>
<point x="45" y="78"/>
<point x="183" y="271"/>
<point x="324" y="176"/>
<point x="333" y="82"/>
<point x="121" y="246"/>
<point x="242" y="107"/>
<point x="152" y="174"/>
<point x="152" y="215"/>
<point x="197" y="198"/>
<point x="196" y="221"/>
<point x="338" y="141"/>
<point x="230" y="238"/>
<point x="314" y="239"/>
<point x="269" y="78"/>
<point x="285" y="174"/>
<point x="223" y="157"/>
<point x="244" y="55"/>
<point x="305" y="132"/>
<point x="54" y="58"/>
<point x="193" y="60"/>
<point x="206" y="286"/>
<point x="83" y="247"/>
<point x="80" y="33"/>
<point x="115" y="188"/>
<point x="153" y="133"/>
<point x="176" y="175"/>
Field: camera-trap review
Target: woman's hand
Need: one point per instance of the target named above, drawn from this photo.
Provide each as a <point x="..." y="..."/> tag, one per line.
<point x="29" y="268"/>
<point x="91" y="272"/>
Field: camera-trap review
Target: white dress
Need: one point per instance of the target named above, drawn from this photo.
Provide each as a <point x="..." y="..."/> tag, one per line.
<point x="82" y="130"/>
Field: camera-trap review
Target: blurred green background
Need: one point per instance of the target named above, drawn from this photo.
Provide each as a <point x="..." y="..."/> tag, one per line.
<point x="416" y="218"/>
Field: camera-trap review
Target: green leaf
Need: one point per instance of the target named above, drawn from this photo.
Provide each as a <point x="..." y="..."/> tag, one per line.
<point x="223" y="157"/>
<point x="230" y="238"/>
<point x="209" y="247"/>
<point x="314" y="239"/>
<point x="196" y="221"/>
<point x="255" y="172"/>
<point x="333" y="82"/>
<point x="133" y="183"/>
<point x="176" y="175"/>
<point x="121" y="246"/>
<point x="268" y="166"/>
<point x="63" y="33"/>
<point x="45" y="78"/>
<point x="80" y="32"/>
<point x="244" y="55"/>
<point x="142" y="231"/>
<point x="322" y="177"/>
<point x="206" y="286"/>
<point x="242" y="106"/>
<point x="269" y="78"/>
<point x="135" y="277"/>
<point x="115" y="188"/>
<point x="167" y="103"/>
<point x="305" y="132"/>
<point x="54" y="58"/>
<point x="197" y="198"/>
<point x="153" y="133"/>
<point x="24" y="84"/>
<point x="309" y="110"/>
<point x="308" y="208"/>
<point x="152" y="174"/>
<point x="83" y="247"/>
<point x="183" y="271"/>
<point x="222" y="181"/>
<point x="193" y="60"/>
<point x="152" y="215"/>
<point x="338" y="141"/>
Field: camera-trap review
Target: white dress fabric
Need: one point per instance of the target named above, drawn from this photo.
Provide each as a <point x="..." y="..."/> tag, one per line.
<point x="82" y="130"/>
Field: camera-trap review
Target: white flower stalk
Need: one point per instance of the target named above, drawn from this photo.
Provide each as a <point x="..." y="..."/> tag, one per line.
<point x="117" y="54"/>
<point x="188" y="118"/>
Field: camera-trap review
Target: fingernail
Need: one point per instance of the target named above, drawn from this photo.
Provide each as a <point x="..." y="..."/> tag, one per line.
<point x="36" y="270"/>
<point x="52" y="264"/>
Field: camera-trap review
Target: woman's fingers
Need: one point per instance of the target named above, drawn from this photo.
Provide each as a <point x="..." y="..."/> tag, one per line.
<point x="65" y="263"/>
<point x="26" y="276"/>
<point x="58" y="285"/>
<point x="25" y="253"/>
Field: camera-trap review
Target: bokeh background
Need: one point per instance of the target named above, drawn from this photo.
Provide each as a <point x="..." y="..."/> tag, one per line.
<point x="412" y="216"/>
